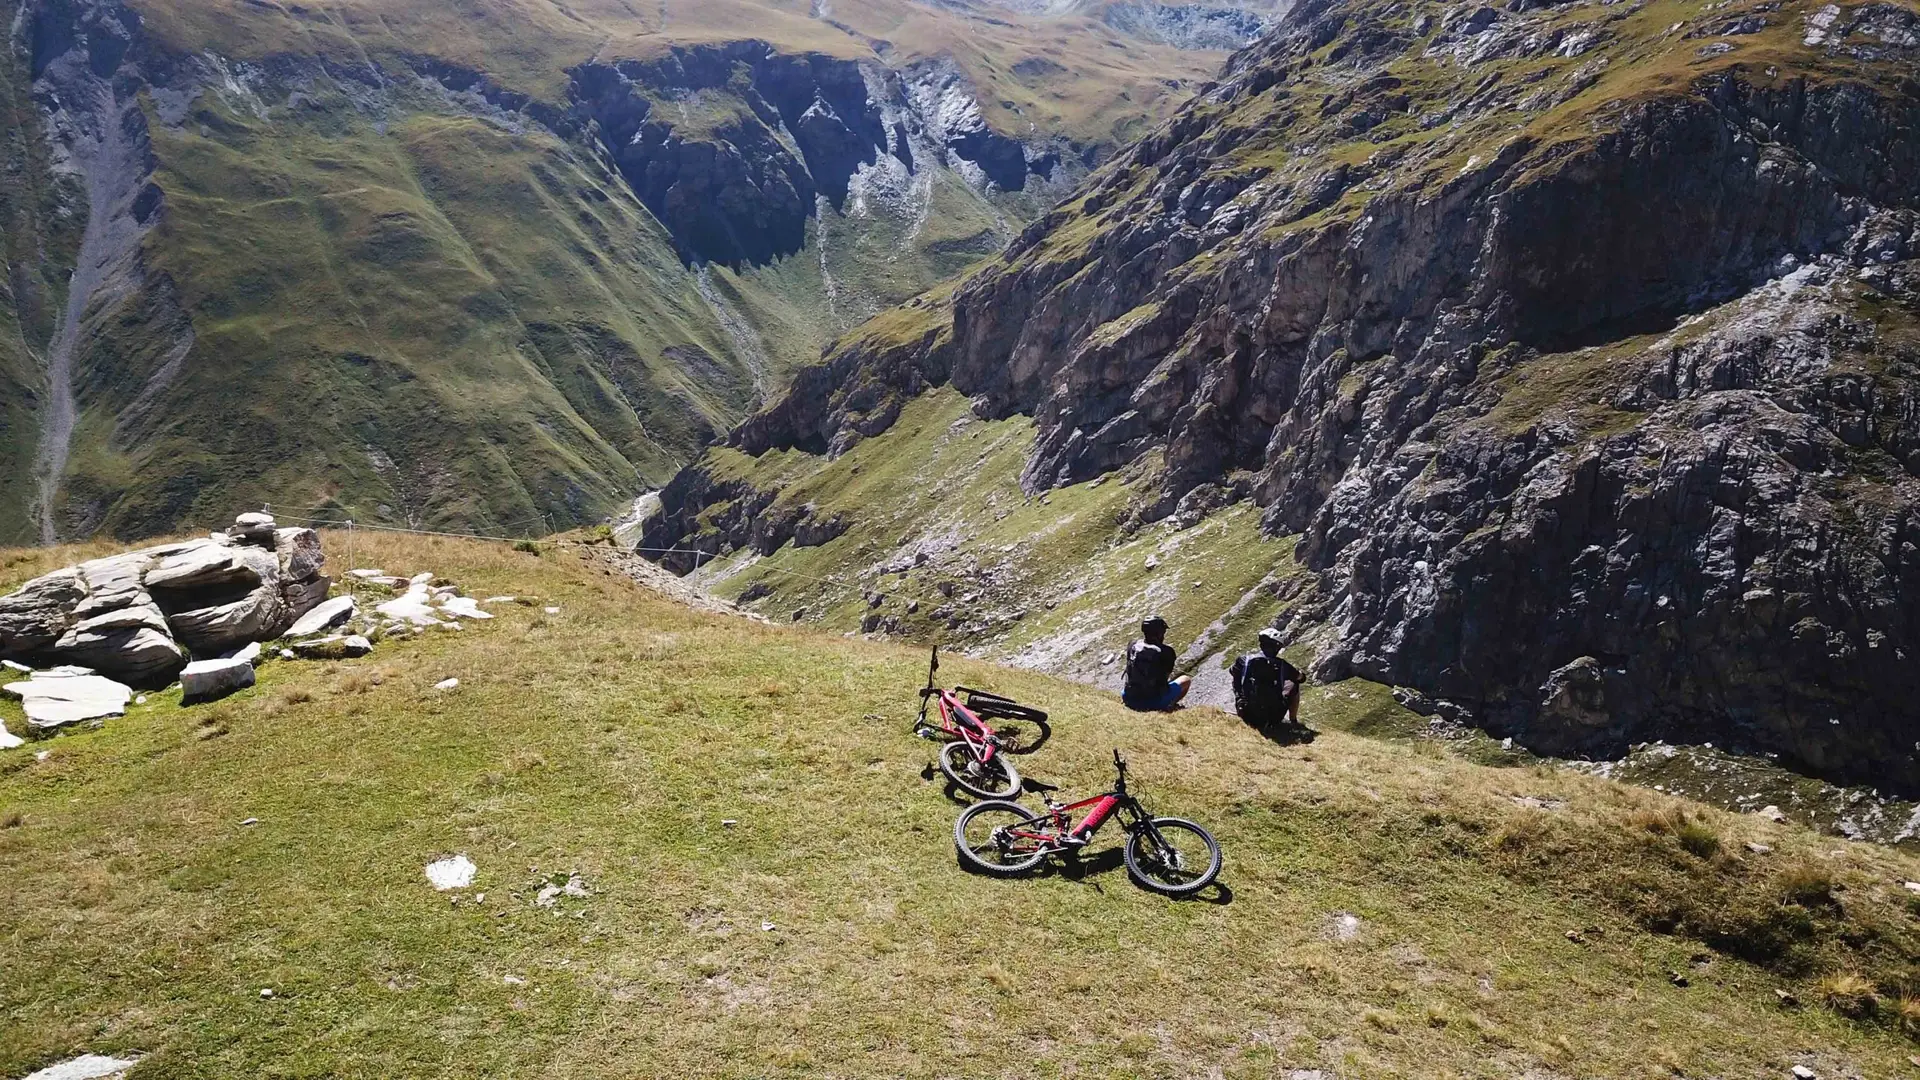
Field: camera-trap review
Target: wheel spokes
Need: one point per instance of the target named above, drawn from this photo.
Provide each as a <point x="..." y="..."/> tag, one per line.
<point x="1001" y="837"/>
<point x="1162" y="858"/>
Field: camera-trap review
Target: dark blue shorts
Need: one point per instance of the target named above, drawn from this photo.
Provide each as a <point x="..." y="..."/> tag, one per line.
<point x="1165" y="700"/>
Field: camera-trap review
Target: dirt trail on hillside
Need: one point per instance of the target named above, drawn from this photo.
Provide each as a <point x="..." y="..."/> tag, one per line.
<point x="660" y="580"/>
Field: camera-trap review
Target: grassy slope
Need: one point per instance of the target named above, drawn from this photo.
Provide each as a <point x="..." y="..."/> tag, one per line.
<point x="947" y="483"/>
<point x="875" y="259"/>
<point x="488" y="309"/>
<point x="616" y="737"/>
<point x="504" y="340"/>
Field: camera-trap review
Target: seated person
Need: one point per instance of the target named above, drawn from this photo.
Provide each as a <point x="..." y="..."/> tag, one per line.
<point x="1266" y="689"/>
<point x="1150" y="685"/>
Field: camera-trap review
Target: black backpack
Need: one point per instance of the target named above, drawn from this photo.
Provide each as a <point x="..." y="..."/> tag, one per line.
<point x="1262" y="696"/>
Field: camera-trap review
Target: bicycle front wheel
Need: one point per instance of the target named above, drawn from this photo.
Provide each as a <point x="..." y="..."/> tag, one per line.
<point x="1172" y="856"/>
<point x="993" y="778"/>
<point x="984" y="837"/>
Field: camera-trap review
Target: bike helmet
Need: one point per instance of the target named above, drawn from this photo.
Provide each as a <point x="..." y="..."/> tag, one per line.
<point x="1152" y="623"/>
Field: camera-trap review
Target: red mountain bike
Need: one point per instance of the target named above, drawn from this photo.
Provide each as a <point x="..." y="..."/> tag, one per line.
<point x="975" y="755"/>
<point x="1168" y="855"/>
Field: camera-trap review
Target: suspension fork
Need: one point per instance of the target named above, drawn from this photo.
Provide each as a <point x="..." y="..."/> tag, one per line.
<point x="1139" y="821"/>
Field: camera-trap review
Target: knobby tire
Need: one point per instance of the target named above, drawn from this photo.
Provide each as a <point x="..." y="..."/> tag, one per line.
<point x="995" y="778"/>
<point x="1151" y="869"/>
<point x="979" y="852"/>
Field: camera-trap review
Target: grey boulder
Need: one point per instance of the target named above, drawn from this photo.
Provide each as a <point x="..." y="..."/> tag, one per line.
<point x="325" y="616"/>
<point x="139" y="617"/>
<point x="204" y="680"/>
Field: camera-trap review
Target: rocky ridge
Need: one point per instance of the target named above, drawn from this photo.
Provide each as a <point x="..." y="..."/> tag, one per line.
<point x="141" y="617"/>
<point x="734" y="146"/>
<point x="1573" y="342"/>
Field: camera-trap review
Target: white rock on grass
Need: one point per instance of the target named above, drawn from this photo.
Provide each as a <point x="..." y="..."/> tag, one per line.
<point x="332" y="647"/>
<point x="501" y="600"/>
<point x="250" y="653"/>
<point x="465" y="607"/>
<point x="367" y="574"/>
<point x="8" y="740"/>
<point x="413" y="606"/>
<point x="447" y="684"/>
<point x="326" y="616"/>
<point x="204" y="680"/>
<point x="15" y="665"/>
<point x="421" y="578"/>
<point x="452" y="872"/>
<point x="1771" y="813"/>
<point x="53" y="701"/>
<point x="551" y="610"/>
<point x="85" y="1067"/>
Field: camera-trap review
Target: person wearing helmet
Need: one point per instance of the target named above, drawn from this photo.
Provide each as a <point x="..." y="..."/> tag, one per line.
<point x="1150" y="685"/>
<point x="1266" y="689"/>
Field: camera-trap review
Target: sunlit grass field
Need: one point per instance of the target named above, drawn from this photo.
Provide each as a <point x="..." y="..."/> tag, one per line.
<point x="772" y="889"/>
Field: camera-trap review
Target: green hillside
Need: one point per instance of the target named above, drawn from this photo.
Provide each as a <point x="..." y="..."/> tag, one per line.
<point x="771" y="888"/>
<point x="382" y="259"/>
<point x="939" y="540"/>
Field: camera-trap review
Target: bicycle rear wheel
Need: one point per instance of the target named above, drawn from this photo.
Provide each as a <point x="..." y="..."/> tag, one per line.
<point x="982" y="837"/>
<point x="994" y="778"/>
<point x="1019" y="735"/>
<point x="1172" y="856"/>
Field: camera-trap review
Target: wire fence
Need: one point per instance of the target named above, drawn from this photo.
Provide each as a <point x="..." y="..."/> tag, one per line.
<point x="350" y="525"/>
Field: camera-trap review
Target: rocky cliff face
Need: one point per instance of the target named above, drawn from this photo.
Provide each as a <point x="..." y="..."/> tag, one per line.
<point x="1575" y="343"/>
<point x="733" y="145"/>
<point x="1189" y="26"/>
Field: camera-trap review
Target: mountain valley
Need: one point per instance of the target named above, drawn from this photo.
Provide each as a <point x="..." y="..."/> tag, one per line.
<point x="1566" y="353"/>
<point x="503" y="268"/>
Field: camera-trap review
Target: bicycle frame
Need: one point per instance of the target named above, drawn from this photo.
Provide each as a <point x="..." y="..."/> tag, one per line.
<point x="1056" y="830"/>
<point x="958" y="722"/>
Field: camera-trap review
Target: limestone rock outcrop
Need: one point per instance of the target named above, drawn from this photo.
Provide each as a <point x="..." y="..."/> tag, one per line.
<point x="140" y="617"/>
